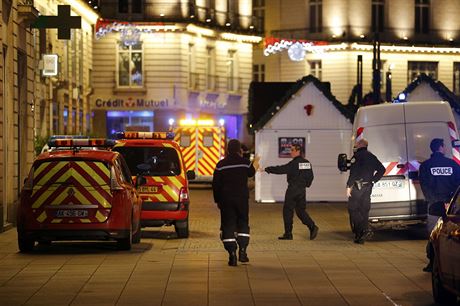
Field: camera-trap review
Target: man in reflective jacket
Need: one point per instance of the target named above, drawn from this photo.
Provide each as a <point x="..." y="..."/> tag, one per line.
<point x="439" y="178"/>
<point x="231" y="193"/>
<point x="365" y="170"/>
<point x="299" y="176"/>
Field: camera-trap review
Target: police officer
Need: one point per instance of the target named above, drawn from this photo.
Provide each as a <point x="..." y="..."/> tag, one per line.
<point x="299" y="176"/>
<point x="365" y="170"/>
<point x="231" y="193"/>
<point x="439" y="178"/>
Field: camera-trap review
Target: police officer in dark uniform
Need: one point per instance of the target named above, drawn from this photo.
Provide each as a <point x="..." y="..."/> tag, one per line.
<point x="231" y="193"/>
<point x="365" y="170"/>
<point x="439" y="178"/>
<point x="299" y="176"/>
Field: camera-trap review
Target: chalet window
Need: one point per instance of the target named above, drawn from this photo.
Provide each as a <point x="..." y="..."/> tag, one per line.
<point x="315" y="69"/>
<point x="258" y="73"/>
<point x="457" y="79"/>
<point x="414" y="69"/>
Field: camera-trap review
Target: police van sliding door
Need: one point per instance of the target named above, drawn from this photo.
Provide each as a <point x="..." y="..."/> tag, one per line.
<point x="389" y="195"/>
<point x="419" y="136"/>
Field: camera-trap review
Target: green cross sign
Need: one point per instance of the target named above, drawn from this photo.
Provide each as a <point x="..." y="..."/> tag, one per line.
<point x="63" y="22"/>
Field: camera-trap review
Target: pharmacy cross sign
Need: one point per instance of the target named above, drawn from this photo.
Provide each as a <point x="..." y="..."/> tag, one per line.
<point x="63" y="22"/>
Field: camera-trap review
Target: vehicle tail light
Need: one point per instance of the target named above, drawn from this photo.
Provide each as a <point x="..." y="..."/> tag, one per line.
<point x="183" y="195"/>
<point x="114" y="185"/>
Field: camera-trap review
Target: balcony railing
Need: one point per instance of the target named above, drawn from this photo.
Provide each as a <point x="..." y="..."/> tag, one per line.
<point x="190" y="12"/>
<point x="365" y="35"/>
<point x="214" y="83"/>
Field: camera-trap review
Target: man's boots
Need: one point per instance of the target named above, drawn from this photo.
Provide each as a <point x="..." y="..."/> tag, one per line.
<point x="286" y="236"/>
<point x="242" y="255"/>
<point x="232" y="260"/>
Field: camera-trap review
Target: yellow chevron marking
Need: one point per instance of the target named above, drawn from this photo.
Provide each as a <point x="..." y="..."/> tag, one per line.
<point x="49" y="175"/>
<point x="168" y="145"/>
<point x="94" y="193"/>
<point x="85" y="220"/>
<point x="42" y="217"/>
<point x="56" y="221"/>
<point x="157" y="179"/>
<point x="92" y="173"/>
<point x="60" y="198"/>
<point x="160" y="197"/>
<point x="40" y="168"/>
<point x="100" y="217"/>
<point x="176" y="182"/>
<point x="42" y="198"/>
<point x="171" y="192"/>
<point x="119" y="144"/>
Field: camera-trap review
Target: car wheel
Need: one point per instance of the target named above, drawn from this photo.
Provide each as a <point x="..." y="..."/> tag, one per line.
<point x="440" y="294"/>
<point x="25" y="243"/>
<point x="182" y="228"/>
<point x="126" y="243"/>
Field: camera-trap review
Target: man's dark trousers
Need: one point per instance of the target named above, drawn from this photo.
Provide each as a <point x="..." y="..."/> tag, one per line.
<point x="295" y="200"/>
<point x="359" y="205"/>
<point x="235" y="219"/>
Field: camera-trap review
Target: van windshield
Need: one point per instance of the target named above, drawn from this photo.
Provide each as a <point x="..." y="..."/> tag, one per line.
<point x="420" y="136"/>
<point x="151" y="161"/>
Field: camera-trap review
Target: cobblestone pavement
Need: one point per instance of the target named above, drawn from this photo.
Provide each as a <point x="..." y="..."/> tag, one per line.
<point x="163" y="270"/>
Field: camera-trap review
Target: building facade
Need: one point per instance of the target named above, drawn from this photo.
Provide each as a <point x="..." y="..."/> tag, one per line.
<point x="34" y="106"/>
<point x="416" y="36"/>
<point x="156" y="62"/>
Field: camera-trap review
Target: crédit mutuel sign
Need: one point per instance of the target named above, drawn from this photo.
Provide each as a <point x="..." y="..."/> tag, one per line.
<point x="130" y="103"/>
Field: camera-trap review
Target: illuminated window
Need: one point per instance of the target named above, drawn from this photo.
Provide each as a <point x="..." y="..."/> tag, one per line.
<point x="258" y="73"/>
<point x="315" y="69"/>
<point x="130" y="72"/>
<point x="414" y="69"/>
<point x="316" y="16"/>
<point x="457" y="78"/>
<point x="422" y="16"/>
<point x="378" y="15"/>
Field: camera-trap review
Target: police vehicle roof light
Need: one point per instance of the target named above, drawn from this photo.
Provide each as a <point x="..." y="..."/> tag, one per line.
<point x="171" y="121"/>
<point x="221" y="121"/>
<point x="145" y="135"/>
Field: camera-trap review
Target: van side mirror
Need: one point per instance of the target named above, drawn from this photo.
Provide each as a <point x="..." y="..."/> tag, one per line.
<point x="191" y="175"/>
<point x="343" y="162"/>
<point x="456" y="143"/>
<point x="438" y="209"/>
<point x="140" y="180"/>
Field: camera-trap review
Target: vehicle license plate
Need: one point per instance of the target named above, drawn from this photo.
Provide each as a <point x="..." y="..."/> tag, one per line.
<point x="71" y="213"/>
<point x="148" y="189"/>
<point x="390" y="184"/>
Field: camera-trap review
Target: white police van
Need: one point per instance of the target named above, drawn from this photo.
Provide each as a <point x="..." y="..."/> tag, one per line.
<point x="399" y="134"/>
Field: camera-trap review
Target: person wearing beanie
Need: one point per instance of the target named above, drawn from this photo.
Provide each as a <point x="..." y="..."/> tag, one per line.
<point x="231" y="193"/>
<point x="439" y="177"/>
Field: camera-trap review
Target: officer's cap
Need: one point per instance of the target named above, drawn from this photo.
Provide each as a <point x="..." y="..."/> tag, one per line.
<point x="436" y="143"/>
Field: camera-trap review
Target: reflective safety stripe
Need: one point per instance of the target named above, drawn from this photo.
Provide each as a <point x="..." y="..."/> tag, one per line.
<point x="244" y="235"/>
<point x="233" y="166"/>
<point x="229" y="240"/>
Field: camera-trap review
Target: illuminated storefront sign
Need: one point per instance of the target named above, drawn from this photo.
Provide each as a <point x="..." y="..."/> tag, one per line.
<point x="130" y="103"/>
